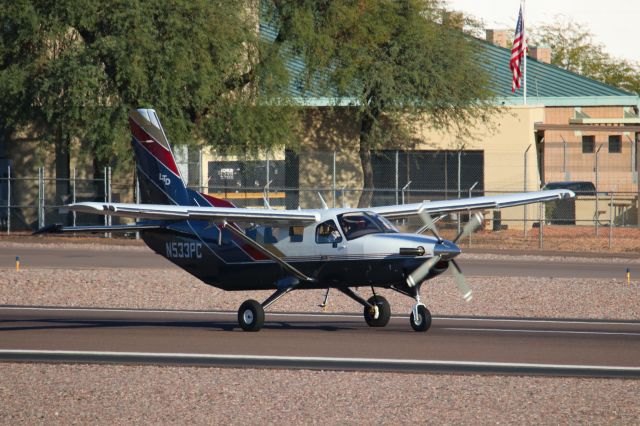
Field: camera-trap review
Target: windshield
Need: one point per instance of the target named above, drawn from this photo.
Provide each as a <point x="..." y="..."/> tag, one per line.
<point x="357" y="224"/>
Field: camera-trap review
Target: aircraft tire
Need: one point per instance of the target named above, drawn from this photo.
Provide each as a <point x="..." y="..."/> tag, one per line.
<point x="251" y="315"/>
<point x="423" y="322"/>
<point x="384" y="312"/>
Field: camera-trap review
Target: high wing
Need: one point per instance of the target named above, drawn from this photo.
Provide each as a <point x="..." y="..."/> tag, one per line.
<point x="475" y="203"/>
<point x="174" y="212"/>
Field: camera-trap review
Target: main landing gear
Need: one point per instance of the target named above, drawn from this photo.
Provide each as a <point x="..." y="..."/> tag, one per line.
<point x="251" y="312"/>
<point x="376" y="312"/>
<point x="251" y="315"/>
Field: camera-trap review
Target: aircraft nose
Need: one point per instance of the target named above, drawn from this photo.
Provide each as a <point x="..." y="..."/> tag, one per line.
<point x="447" y="249"/>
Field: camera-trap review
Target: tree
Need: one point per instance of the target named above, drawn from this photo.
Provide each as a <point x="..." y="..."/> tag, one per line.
<point x="75" y="67"/>
<point x="398" y="62"/>
<point x="573" y="48"/>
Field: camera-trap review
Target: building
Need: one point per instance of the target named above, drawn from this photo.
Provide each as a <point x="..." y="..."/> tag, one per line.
<point x="571" y="128"/>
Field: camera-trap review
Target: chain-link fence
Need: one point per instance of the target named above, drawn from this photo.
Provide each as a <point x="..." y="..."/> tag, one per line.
<point x="28" y="203"/>
<point x="604" y="213"/>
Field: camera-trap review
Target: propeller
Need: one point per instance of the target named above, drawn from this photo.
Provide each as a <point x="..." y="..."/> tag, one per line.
<point x="419" y="274"/>
<point x="474" y="222"/>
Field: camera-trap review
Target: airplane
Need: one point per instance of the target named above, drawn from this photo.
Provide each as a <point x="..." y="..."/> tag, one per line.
<point x="241" y="249"/>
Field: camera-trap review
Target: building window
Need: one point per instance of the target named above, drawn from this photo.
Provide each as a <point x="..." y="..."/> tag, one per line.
<point x="615" y="144"/>
<point x="588" y="144"/>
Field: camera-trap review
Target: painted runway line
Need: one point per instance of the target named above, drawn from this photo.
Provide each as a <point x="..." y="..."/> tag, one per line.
<point x="317" y="315"/>
<point x="308" y="362"/>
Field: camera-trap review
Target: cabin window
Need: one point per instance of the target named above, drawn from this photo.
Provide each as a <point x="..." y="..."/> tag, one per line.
<point x="327" y="232"/>
<point x="270" y="235"/>
<point x="295" y="234"/>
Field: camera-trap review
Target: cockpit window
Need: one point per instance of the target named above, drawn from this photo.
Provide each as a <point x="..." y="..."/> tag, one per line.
<point x="327" y="232"/>
<point x="357" y="224"/>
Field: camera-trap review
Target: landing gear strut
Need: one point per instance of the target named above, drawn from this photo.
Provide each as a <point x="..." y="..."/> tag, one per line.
<point x="420" y="317"/>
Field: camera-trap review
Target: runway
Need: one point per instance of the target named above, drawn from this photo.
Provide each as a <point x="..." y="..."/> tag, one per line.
<point x="321" y="341"/>
<point x="119" y="257"/>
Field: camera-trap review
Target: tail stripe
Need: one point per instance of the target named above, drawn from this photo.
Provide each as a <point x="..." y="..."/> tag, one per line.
<point x="154" y="147"/>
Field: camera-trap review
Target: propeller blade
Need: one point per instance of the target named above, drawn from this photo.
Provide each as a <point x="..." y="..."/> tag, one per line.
<point x="429" y="223"/>
<point x="422" y="271"/>
<point x="461" y="282"/>
<point x="474" y="222"/>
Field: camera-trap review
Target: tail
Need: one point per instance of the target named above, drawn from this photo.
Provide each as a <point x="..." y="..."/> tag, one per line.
<point x="158" y="174"/>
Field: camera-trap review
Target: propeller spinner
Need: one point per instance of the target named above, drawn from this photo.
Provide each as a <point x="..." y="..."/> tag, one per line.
<point x="446" y="251"/>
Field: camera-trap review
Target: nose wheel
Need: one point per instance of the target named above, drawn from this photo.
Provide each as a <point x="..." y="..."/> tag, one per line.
<point x="420" y="318"/>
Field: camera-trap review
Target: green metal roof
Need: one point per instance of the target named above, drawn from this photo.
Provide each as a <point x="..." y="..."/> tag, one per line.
<point x="547" y="84"/>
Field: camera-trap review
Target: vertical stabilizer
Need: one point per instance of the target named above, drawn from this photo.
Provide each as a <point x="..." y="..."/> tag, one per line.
<point x="158" y="174"/>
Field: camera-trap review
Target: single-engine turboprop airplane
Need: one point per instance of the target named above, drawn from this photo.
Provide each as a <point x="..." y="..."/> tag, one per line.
<point x="285" y="250"/>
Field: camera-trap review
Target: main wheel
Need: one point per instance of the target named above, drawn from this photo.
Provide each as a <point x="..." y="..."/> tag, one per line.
<point x="251" y="316"/>
<point x="423" y="320"/>
<point x="384" y="312"/>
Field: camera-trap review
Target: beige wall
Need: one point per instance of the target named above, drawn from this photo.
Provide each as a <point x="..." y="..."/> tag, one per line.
<point x="504" y="143"/>
<point x="616" y="169"/>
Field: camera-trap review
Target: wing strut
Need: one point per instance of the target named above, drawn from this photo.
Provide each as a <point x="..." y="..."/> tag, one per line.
<point x="293" y="270"/>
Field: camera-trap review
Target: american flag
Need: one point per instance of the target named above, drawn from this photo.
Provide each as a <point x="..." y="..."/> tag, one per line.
<point x="517" y="53"/>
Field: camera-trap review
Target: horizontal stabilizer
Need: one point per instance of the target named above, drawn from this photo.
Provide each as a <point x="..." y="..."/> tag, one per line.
<point x="58" y="228"/>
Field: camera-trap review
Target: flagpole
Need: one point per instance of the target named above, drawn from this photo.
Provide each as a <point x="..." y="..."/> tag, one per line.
<point x="524" y="41"/>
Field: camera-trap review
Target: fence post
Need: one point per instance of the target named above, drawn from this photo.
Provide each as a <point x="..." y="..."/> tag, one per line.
<point x="564" y="157"/>
<point x="137" y="195"/>
<point x="526" y="165"/>
<point x="471" y="190"/>
<point x="611" y="219"/>
<point x="8" y="200"/>
<point x="268" y="180"/>
<point x="334" y="178"/>
<point x="540" y="225"/>
<point x="404" y="188"/>
<point x="397" y="174"/>
<point x="41" y="197"/>
<point x="73" y="194"/>
<point x="109" y="220"/>
<point x="597" y="214"/>
<point x="104" y="190"/>
<point x="459" y="178"/>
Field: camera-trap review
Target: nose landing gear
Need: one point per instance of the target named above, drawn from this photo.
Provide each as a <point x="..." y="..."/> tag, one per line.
<point x="420" y="318"/>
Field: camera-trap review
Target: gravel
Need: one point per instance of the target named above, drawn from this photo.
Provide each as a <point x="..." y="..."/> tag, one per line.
<point x="94" y="394"/>
<point x="106" y="394"/>
<point x="175" y="289"/>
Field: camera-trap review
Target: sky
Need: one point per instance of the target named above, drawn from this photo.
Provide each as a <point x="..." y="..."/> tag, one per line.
<point x="613" y="23"/>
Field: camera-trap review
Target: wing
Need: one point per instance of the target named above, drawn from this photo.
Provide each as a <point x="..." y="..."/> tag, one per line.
<point x="475" y="203"/>
<point x="173" y="212"/>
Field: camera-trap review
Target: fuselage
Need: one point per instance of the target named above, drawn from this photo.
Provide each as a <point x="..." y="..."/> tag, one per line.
<point x="346" y="248"/>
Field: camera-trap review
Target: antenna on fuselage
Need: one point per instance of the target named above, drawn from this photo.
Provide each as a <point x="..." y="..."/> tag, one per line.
<point x="324" y="204"/>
